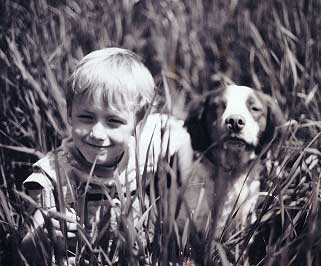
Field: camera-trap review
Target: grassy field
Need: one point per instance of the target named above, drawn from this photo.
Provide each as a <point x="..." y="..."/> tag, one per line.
<point x="191" y="47"/>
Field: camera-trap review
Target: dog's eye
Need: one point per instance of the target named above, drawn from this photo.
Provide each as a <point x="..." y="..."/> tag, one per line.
<point x="218" y="102"/>
<point x="255" y="108"/>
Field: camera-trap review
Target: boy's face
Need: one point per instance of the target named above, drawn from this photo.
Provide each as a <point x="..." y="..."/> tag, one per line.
<point x="98" y="131"/>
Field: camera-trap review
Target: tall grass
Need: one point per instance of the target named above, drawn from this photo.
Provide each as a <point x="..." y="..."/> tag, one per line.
<point x="194" y="46"/>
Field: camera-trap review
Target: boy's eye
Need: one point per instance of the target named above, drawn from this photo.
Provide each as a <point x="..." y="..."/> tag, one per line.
<point x="116" y="121"/>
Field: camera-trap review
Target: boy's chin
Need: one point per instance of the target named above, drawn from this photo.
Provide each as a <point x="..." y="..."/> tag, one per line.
<point x="103" y="160"/>
<point x="99" y="181"/>
<point x="100" y="161"/>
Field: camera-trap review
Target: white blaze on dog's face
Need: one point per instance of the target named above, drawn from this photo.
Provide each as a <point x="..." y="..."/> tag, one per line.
<point x="245" y="114"/>
<point x="240" y="117"/>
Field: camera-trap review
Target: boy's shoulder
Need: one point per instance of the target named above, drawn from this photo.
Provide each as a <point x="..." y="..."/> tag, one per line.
<point x="162" y="132"/>
<point x="47" y="169"/>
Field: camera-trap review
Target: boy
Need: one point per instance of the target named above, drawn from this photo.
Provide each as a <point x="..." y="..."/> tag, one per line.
<point x="109" y="92"/>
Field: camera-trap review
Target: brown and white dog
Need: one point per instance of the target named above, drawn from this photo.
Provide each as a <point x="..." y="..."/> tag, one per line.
<point x="229" y="129"/>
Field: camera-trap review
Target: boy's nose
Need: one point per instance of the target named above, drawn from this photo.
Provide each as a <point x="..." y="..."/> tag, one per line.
<point x="99" y="132"/>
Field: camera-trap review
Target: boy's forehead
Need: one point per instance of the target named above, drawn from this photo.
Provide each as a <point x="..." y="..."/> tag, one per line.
<point x="97" y="102"/>
<point x="86" y="98"/>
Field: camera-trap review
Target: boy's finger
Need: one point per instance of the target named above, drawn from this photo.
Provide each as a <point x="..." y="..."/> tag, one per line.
<point x="70" y="226"/>
<point x="59" y="234"/>
<point x="70" y="215"/>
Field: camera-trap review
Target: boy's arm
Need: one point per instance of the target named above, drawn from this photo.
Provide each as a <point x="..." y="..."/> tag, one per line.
<point x="39" y="188"/>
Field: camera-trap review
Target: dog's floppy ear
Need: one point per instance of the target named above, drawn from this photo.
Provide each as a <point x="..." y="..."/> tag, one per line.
<point x="275" y="113"/>
<point x="196" y="124"/>
<point x="275" y="120"/>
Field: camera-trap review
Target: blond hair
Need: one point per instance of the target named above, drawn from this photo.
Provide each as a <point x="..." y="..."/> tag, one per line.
<point x="117" y="75"/>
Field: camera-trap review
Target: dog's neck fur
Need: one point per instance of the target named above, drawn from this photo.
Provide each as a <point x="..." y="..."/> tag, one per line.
<point x="232" y="163"/>
<point x="231" y="170"/>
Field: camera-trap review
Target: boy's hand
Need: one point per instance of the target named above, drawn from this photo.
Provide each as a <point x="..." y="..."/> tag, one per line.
<point x="29" y="244"/>
<point x="71" y="220"/>
<point x="70" y="217"/>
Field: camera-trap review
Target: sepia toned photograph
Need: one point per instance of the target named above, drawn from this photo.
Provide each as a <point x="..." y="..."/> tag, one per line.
<point x="160" y="133"/>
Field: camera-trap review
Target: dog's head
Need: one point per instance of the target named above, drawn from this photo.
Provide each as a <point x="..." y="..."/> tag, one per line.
<point x="237" y="119"/>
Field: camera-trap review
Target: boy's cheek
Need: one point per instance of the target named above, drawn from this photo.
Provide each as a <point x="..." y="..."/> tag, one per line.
<point x="121" y="135"/>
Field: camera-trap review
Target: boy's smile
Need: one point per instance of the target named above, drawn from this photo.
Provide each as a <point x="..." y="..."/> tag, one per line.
<point x="99" y="131"/>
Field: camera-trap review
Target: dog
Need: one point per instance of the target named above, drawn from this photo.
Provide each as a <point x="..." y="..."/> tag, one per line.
<point x="229" y="129"/>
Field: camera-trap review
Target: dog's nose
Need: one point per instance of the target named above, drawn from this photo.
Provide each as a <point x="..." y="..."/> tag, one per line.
<point x="235" y="122"/>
